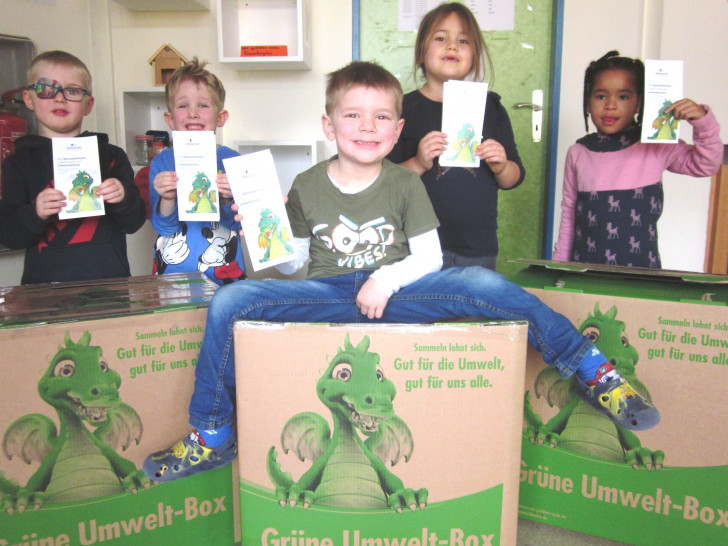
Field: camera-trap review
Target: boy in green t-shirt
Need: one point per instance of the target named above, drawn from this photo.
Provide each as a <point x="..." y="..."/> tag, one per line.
<point x="370" y="232"/>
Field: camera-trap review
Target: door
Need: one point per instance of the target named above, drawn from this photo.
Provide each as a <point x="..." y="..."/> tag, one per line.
<point x="522" y="60"/>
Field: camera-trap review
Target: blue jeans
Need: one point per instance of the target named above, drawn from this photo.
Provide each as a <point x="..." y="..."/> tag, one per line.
<point x="473" y="292"/>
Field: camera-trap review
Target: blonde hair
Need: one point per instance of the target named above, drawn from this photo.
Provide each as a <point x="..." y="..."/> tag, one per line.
<point x="61" y="58"/>
<point x="195" y="70"/>
<point x="427" y="28"/>
<point x="361" y="73"/>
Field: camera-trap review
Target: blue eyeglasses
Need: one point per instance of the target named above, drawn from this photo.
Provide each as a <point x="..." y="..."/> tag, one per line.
<point x="49" y="91"/>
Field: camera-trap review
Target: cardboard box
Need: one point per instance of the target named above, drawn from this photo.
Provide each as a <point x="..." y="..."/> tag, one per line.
<point x="95" y="377"/>
<point x="452" y="430"/>
<point x="665" y="485"/>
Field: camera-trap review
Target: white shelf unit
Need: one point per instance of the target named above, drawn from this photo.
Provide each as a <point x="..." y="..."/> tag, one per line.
<point x="140" y="110"/>
<point x="165" y="5"/>
<point x="265" y="23"/>
<point x="290" y="157"/>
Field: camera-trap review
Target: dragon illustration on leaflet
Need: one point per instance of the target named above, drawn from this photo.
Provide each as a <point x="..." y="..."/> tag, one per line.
<point x="464" y="146"/>
<point x="665" y="124"/>
<point x="272" y="237"/>
<point x="202" y="196"/>
<point x="347" y="471"/>
<point x="578" y="426"/>
<point x="83" y="194"/>
<point x="78" y="460"/>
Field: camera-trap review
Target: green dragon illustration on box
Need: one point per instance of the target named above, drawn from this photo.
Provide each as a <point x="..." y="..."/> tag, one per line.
<point x="75" y="463"/>
<point x="272" y="237"/>
<point x="578" y="426"/>
<point x="665" y="124"/>
<point x="83" y="194"/>
<point x="202" y="196"/>
<point x="464" y="148"/>
<point x="8" y="492"/>
<point x="346" y="471"/>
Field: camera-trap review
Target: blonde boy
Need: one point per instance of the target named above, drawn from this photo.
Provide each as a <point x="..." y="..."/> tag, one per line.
<point x="195" y="102"/>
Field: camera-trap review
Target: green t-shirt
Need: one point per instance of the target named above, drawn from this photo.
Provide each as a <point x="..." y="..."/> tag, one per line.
<point x="365" y="230"/>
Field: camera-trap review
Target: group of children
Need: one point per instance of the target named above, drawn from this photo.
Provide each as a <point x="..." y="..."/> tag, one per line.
<point x="438" y="259"/>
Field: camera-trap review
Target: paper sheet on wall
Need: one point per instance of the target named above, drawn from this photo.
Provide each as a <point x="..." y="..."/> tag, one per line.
<point x="195" y="162"/>
<point x="663" y="86"/>
<point x="463" y="114"/>
<point x="256" y="190"/>
<point x="490" y="14"/>
<point x="76" y="172"/>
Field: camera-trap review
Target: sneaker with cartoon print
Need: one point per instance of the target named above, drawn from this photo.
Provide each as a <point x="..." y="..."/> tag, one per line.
<point x="188" y="456"/>
<point x="612" y="394"/>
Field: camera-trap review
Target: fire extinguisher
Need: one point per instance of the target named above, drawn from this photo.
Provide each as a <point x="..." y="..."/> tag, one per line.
<point x="12" y="126"/>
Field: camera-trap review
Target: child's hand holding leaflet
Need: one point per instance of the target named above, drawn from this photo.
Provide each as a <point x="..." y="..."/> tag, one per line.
<point x="76" y="173"/>
<point x="463" y="115"/>
<point x="663" y="87"/>
<point x="254" y="183"/>
<point x="195" y="163"/>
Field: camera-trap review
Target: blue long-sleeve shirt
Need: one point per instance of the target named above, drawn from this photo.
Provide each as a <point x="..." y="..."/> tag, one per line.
<point x="210" y="247"/>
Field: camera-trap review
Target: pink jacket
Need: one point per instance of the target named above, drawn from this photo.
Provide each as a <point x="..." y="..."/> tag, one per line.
<point x="633" y="167"/>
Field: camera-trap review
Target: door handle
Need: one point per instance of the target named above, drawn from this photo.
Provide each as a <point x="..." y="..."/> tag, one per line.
<point x="536" y="106"/>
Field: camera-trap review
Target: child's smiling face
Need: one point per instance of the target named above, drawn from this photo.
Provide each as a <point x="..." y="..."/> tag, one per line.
<point x="614" y="101"/>
<point x="194" y="109"/>
<point x="364" y="124"/>
<point x="58" y="117"/>
<point x="449" y="51"/>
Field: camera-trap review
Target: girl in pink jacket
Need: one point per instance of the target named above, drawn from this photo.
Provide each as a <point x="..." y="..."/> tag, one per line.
<point x="613" y="192"/>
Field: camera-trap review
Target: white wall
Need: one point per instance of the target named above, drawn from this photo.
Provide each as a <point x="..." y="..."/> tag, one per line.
<point x="703" y="44"/>
<point x="657" y="29"/>
<point x="116" y="44"/>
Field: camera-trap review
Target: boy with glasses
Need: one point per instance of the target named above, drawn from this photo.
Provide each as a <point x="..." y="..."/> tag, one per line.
<point x="59" y="93"/>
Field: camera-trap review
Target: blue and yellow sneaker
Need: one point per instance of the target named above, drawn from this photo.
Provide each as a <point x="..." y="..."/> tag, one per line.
<point x="611" y="394"/>
<point x="188" y="456"/>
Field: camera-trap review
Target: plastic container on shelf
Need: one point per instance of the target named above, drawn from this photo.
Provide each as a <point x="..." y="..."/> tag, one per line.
<point x="159" y="143"/>
<point x="144" y="144"/>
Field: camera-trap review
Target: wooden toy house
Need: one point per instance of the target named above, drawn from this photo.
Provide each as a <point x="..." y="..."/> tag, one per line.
<point x="165" y="61"/>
